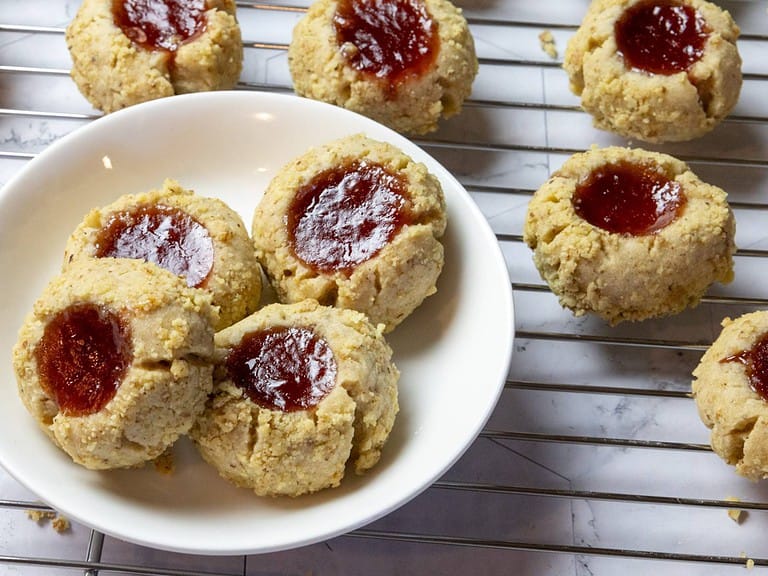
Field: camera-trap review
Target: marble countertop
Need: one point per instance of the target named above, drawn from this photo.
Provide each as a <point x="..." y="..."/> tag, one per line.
<point x="594" y="461"/>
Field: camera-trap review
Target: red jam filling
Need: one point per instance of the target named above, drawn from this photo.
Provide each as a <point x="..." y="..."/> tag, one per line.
<point x="392" y="39"/>
<point x="345" y="215"/>
<point x="661" y="36"/>
<point x="755" y="361"/>
<point x="285" y="369"/>
<point x="628" y="198"/>
<point x="160" y="24"/>
<point x="82" y="358"/>
<point x="164" y="236"/>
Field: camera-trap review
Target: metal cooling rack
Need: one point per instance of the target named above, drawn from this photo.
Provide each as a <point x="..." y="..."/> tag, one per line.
<point x="595" y="461"/>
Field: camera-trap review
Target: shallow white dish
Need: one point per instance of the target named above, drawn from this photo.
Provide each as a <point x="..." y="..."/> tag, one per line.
<point x="453" y="353"/>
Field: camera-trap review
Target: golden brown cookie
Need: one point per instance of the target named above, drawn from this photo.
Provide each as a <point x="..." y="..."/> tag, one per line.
<point x="629" y="234"/>
<point x="353" y="224"/>
<point x="129" y="51"/>
<point x="115" y="360"/>
<point x="730" y="387"/>
<point x="656" y="70"/>
<point x="199" y="238"/>
<point x="404" y="63"/>
<point x="300" y="391"/>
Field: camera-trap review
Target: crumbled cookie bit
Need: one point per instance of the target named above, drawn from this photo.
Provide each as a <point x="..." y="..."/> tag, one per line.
<point x="548" y="43"/>
<point x="750" y="564"/>
<point x="165" y="463"/>
<point x="41" y="516"/>
<point x="735" y="514"/>
<point x="58" y="522"/>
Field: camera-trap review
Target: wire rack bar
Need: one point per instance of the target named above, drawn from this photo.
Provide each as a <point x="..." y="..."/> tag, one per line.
<point x="543" y="547"/>
<point x="609" y="341"/>
<point x="98" y="568"/>
<point x="590" y="389"/>
<point x="594" y="440"/>
<point x="595" y="495"/>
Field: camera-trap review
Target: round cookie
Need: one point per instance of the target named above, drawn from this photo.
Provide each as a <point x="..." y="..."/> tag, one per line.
<point x="128" y="51"/>
<point x="730" y="388"/>
<point x="300" y="391"/>
<point x="629" y="234"/>
<point x="114" y="361"/>
<point x="658" y="87"/>
<point x="194" y="236"/>
<point x="404" y="63"/>
<point x="353" y="224"/>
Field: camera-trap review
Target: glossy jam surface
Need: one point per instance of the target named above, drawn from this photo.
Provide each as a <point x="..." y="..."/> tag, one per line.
<point x="346" y="215"/>
<point x="82" y="358"/>
<point x="661" y="36"/>
<point x="391" y="39"/>
<point x="283" y="368"/>
<point x="161" y="235"/>
<point x="628" y="198"/>
<point x="160" y="24"/>
<point x="755" y="361"/>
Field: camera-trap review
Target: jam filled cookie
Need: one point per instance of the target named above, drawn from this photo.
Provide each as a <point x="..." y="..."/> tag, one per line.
<point x="299" y="391"/>
<point x="114" y="362"/>
<point x="199" y="238"/>
<point x="629" y="234"/>
<point x="129" y="51"/>
<point x="656" y="70"/>
<point x="730" y="387"/>
<point x="353" y="224"/>
<point x="404" y="63"/>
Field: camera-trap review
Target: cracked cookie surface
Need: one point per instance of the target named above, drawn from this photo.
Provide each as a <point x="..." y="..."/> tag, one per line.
<point x="727" y="403"/>
<point x="231" y="273"/>
<point x="279" y="452"/>
<point x="622" y="276"/>
<point x="323" y="68"/>
<point x="168" y="343"/>
<point x="654" y="107"/>
<point x="113" y="71"/>
<point x="386" y="284"/>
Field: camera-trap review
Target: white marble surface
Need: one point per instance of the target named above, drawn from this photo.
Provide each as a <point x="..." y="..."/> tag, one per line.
<point x="512" y="148"/>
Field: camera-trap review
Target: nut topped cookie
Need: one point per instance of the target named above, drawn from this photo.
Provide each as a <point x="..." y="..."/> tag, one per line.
<point x="196" y="237"/>
<point x="730" y="387"/>
<point x="629" y="234"/>
<point x="404" y="63"/>
<point x="300" y="391"/>
<point x="114" y="362"/>
<point x="130" y="51"/>
<point x="353" y="224"/>
<point x="656" y="70"/>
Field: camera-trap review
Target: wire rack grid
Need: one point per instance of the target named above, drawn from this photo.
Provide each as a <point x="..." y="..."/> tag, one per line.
<point x="594" y="461"/>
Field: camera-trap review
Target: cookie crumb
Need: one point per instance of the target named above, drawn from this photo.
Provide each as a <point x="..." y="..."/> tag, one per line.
<point x="41" y="516"/>
<point x="750" y="564"/>
<point x="165" y="463"/>
<point x="548" y="43"/>
<point x="58" y="522"/>
<point x="735" y="514"/>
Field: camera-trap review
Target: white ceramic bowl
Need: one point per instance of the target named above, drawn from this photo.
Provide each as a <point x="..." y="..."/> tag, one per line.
<point x="453" y="352"/>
